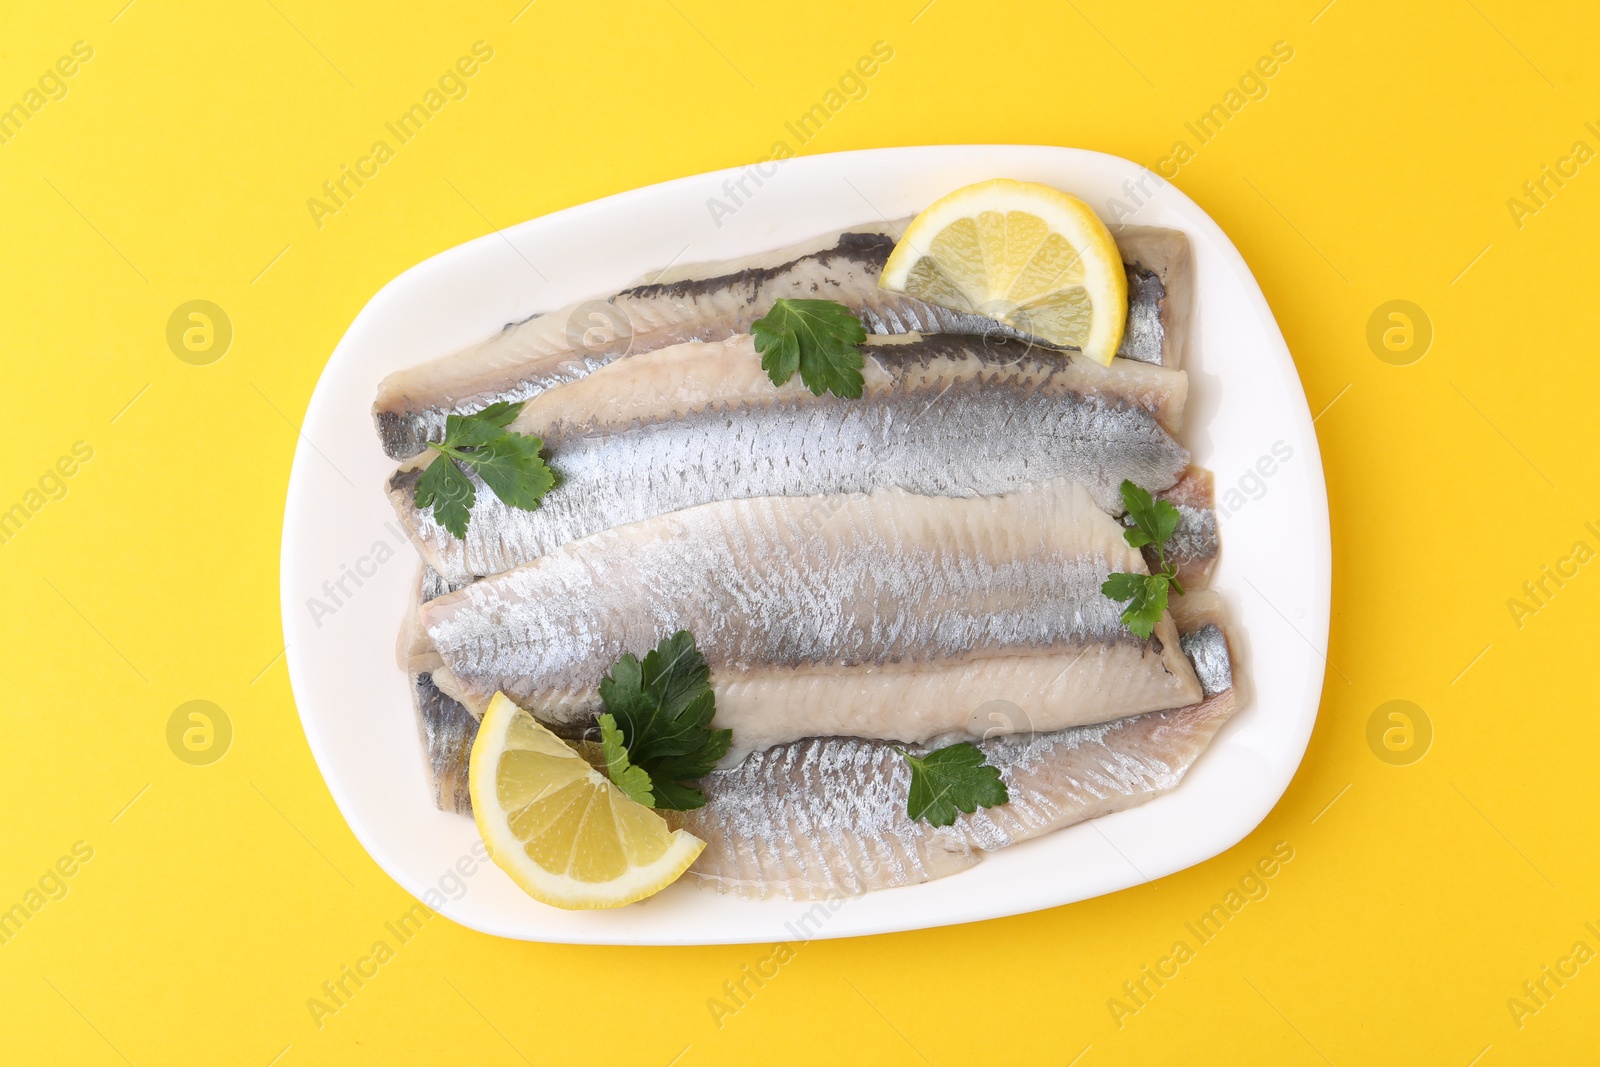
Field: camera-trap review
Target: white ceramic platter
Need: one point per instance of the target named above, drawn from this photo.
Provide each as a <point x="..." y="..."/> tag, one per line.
<point x="1248" y="422"/>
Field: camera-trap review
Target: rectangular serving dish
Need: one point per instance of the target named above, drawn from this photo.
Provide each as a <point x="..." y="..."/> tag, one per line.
<point x="1247" y="417"/>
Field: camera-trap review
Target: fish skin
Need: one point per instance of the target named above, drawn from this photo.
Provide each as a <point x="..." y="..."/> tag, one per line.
<point x="704" y="302"/>
<point x="828" y="611"/>
<point x="1207" y="650"/>
<point x="445" y="727"/>
<point x="1202" y="631"/>
<point x="826" y="817"/>
<point x="709" y="414"/>
<point x="1160" y="268"/>
<point x="1194" y="546"/>
<point x="448" y="730"/>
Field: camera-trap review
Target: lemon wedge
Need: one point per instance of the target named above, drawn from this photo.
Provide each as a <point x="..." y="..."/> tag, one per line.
<point x="1030" y="256"/>
<point x="560" y="828"/>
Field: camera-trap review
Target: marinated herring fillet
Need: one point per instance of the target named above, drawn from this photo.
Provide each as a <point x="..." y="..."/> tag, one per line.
<point x="1160" y="269"/>
<point x="446" y="728"/>
<point x="939" y="415"/>
<point x="826" y="816"/>
<point x="1193" y="548"/>
<point x="886" y="615"/>
<point x="713" y="301"/>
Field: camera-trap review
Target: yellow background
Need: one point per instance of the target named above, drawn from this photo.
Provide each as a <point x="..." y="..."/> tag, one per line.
<point x="1378" y="167"/>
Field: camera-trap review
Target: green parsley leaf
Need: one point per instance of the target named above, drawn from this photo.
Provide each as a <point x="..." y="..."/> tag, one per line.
<point x="1154" y="521"/>
<point x="630" y="779"/>
<point x="469" y="431"/>
<point x="508" y="462"/>
<point x="951" y="779"/>
<point x="664" y="707"/>
<point x="677" y="796"/>
<point x="819" y="338"/>
<point x="511" y="467"/>
<point x="1122" y="586"/>
<point x="1149" y="600"/>
<point x="450" y="494"/>
<point x="500" y="413"/>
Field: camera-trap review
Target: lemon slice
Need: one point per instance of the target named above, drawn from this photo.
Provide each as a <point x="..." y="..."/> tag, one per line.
<point x="1028" y="255"/>
<point x="558" y="827"/>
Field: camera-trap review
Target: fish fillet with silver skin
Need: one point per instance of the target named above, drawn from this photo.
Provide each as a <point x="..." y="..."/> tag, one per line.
<point x="713" y="301"/>
<point x="448" y="728"/>
<point x="445" y="727"/>
<point x="826" y="816"/>
<point x="887" y="615"/>
<point x="940" y="415"/>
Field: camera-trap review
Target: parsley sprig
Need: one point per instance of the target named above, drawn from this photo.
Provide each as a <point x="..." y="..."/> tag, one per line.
<point x="507" y="461"/>
<point x="1153" y="523"/>
<point x="950" y="779"/>
<point x="819" y="338"/>
<point x="656" y="731"/>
